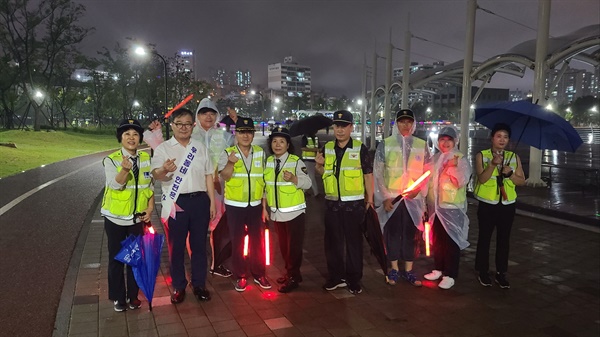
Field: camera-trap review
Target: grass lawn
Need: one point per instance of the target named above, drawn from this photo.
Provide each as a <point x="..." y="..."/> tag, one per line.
<point x="39" y="148"/>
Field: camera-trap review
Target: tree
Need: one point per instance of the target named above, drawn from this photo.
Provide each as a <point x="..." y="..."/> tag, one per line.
<point x="41" y="39"/>
<point x="583" y="110"/>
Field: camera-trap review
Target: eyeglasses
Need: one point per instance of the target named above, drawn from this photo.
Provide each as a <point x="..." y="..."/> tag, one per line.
<point x="183" y="125"/>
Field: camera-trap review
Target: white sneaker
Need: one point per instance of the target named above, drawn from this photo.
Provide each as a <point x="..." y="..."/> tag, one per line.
<point x="434" y="275"/>
<point x="446" y="283"/>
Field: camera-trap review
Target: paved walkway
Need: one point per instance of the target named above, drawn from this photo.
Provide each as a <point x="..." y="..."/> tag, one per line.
<point x="553" y="271"/>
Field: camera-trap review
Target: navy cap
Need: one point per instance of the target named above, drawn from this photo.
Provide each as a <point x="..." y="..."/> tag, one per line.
<point x="405" y="113"/>
<point x="448" y="131"/>
<point x="127" y="124"/>
<point x="343" y="117"/>
<point x="244" y="124"/>
<point x="281" y="132"/>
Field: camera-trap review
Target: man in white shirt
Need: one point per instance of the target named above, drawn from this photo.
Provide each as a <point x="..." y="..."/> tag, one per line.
<point x="186" y="172"/>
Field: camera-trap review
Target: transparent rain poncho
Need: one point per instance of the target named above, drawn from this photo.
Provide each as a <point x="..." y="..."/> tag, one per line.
<point x="416" y="206"/>
<point x="446" y="199"/>
<point x="216" y="141"/>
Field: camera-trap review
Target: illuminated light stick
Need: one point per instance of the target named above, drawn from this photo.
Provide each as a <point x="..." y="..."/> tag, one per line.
<point x="412" y="186"/>
<point x="185" y="100"/>
<point x="151" y="230"/>
<point x="427" y="229"/>
<point x="246" y="245"/>
<point x="267" y="248"/>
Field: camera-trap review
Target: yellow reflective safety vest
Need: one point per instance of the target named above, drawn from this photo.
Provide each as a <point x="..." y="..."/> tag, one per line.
<point x="283" y="196"/>
<point x="396" y="180"/>
<point x="489" y="192"/>
<point x="245" y="187"/>
<point x="350" y="185"/>
<point x="313" y="144"/>
<point x="450" y="196"/>
<point x="124" y="203"/>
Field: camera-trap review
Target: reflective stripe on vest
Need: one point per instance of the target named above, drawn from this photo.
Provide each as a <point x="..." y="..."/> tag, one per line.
<point x="245" y="187"/>
<point x="283" y="196"/>
<point x="351" y="185"/>
<point x="120" y="203"/>
<point x="394" y="176"/>
<point x="309" y="155"/>
<point x="488" y="191"/>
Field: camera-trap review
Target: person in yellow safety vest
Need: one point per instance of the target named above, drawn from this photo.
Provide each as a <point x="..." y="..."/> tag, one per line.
<point x="447" y="207"/>
<point x="498" y="172"/>
<point x="286" y="178"/>
<point x="400" y="160"/>
<point x="348" y="179"/>
<point x="128" y="202"/>
<point x="242" y="168"/>
<point x="310" y="147"/>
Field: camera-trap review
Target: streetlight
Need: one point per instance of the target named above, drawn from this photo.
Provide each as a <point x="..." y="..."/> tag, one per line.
<point x="141" y="51"/>
<point x="262" y="109"/>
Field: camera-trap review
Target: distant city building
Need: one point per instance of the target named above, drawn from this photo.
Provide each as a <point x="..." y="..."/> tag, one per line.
<point x="519" y="95"/>
<point x="186" y="61"/>
<point x="226" y="81"/>
<point x="290" y="78"/>
<point x="573" y="84"/>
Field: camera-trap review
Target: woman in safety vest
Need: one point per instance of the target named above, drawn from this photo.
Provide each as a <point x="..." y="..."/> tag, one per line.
<point x="285" y="179"/>
<point x="498" y="172"/>
<point x="128" y="202"/>
<point x="447" y="207"/>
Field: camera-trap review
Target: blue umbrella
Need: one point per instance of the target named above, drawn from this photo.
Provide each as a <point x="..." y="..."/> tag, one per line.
<point x="531" y="124"/>
<point x="142" y="253"/>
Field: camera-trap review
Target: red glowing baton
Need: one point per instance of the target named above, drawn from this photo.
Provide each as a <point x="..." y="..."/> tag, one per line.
<point x="412" y="186"/>
<point x="151" y="230"/>
<point x="267" y="248"/>
<point x="427" y="229"/>
<point x="246" y="245"/>
<point x="185" y="100"/>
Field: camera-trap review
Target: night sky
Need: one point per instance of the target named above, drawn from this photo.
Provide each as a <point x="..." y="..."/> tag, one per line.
<point x="330" y="36"/>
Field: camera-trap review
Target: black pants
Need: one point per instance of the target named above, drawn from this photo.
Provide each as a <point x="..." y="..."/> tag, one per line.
<point x="343" y="230"/>
<point x="489" y="217"/>
<point x="193" y="221"/>
<point x="237" y="219"/>
<point x="116" y="279"/>
<point x="446" y="254"/>
<point x="399" y="234"/>
<point x="291" y="241"/>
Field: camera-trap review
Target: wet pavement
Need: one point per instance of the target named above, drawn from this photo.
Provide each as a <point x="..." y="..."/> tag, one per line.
<point x="553" y="270"/>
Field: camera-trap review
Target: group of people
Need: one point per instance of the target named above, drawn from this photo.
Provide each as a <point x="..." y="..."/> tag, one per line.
<point x="206" y="172"/>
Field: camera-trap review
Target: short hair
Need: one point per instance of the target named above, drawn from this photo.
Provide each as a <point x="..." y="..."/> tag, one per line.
<point x="501" y="127"/>
<point x="181" y="112"/>
<point x="121" y="131"/>
<point x="290" y="150"/>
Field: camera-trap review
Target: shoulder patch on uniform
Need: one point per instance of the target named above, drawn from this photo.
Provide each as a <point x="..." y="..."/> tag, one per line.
<point x="304" y="170"/>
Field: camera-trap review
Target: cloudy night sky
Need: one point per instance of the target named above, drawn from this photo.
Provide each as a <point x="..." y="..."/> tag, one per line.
<point x="330" y="36"/>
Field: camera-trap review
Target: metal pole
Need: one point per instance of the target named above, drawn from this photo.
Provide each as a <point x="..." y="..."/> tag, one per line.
<point x="388" y="83"/>
<point x="373" y="101"/>
<point x="539" y="86"/>
<point x="363" y="116"/>
<point x="165" y="72"/>
<point x="465" y="102"/>
<point x="406" y="70"/>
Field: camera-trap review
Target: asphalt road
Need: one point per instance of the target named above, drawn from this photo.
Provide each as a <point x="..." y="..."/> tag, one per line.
<point x="37" y="239"/>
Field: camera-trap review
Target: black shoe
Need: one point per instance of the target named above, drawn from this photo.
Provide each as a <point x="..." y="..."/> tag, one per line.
<point x="178" y="296"/>
<point x="290" y="285"/>
<point x="333" y="285"/>
<point x="134" y="304"/>
<point x="354" y="289"/>
<point x="262" y="282"/>
<point x="501" y="280"/>
<point x="484" y="279"/>
<point x="282" y="279"/>
<point x="221" y="271"/>
<point x="201" y="294"/>
<point x="119" y="306"/>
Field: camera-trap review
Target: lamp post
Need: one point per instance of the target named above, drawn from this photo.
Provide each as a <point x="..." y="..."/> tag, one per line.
<point x="142" y="51"/>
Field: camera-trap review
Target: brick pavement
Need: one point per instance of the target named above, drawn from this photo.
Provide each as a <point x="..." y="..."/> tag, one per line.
<point x="553" y="271"/>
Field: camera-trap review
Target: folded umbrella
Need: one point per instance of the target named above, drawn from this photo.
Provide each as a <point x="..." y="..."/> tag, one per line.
<point x="145" y="273"/>
<point x="372" y="232"/>
<point x="221" y="241"/>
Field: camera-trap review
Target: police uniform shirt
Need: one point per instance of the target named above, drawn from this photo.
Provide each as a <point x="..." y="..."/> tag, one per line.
<point x="194" y="180"/>
<point x="247" y="160"/>
<point x="304" y="183"/>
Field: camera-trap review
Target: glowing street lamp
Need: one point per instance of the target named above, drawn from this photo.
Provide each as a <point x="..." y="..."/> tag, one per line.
<point x="141" y="51"/>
